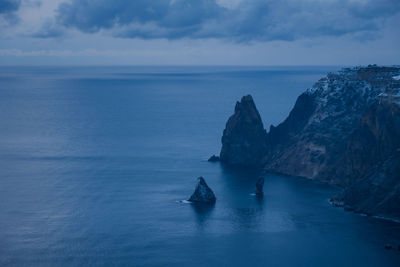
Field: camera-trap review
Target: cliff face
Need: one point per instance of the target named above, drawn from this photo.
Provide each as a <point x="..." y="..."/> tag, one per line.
<point x="314" y="141"/>
<point x="244" y="137"/>
<point x="375" y="140"/>
<point x="373" y="162"/>
<point x="345" y="130"/>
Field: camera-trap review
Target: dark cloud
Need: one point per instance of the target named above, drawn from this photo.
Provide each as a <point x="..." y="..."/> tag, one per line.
<point x="172" y="16"/>
<point x="8" y="9"/>
<point x="250" y="20"/>
<point x="49" y="29"/>
<point x="8" y="6"/>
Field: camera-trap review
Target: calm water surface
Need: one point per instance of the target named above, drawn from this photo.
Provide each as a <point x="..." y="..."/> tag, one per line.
<point x="94" y="162"/>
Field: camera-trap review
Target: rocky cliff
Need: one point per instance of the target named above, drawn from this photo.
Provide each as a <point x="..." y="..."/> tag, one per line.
<point x="318" y="139"/>
<point x="372" y="162"/>
<point x="345" y="130"/>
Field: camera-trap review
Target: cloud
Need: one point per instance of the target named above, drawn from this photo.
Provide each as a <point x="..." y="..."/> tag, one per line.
<point x="87" y="53"/>
<point x="239" y="20"/>
<point x="49" y="29"/>
<point x="178" y="17"/>
<point x="7" y="6"/>
<point x="8" y="9"/>
<point x="61" y="53"/>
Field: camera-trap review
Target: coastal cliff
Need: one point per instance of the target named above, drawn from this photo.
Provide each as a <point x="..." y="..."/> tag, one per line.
<point x="345" y="130"/>
<point x="372" y="162"/>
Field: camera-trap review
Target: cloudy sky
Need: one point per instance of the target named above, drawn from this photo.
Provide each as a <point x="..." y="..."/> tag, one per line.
<point x="199" y="32"/>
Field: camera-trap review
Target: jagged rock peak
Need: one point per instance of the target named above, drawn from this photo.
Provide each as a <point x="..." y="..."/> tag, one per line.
<point x="248" y="107"/>
<point x="244" y="137"/>
<point x="202" y="193"/>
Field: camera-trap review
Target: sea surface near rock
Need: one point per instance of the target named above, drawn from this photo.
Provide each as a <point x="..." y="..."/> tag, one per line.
<point x="93" y="161"/>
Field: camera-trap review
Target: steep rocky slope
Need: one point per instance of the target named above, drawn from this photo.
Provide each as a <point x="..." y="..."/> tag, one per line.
<point x="314" y="139"/>
<point x="345" y="130"/>
<point x="244" y="137"/>
<point x="372" y="162"/>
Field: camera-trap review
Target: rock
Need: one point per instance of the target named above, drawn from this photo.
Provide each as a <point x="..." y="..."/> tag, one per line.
<point x="345" y="130"/>
<point x="202" y="193"/>
<point x="244" y="138"/>
<point x="337" y="201"/>
<point x="348" y="208"/>
<point x="214" y="158"/>
<point x="388" y="246"/>
<point x="314" y="140"/>
<point x="373" y="163"/>
<point x="259" y="186"/>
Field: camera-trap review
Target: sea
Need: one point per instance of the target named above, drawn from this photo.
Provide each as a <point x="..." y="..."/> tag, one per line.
<point x="95" y="162"/>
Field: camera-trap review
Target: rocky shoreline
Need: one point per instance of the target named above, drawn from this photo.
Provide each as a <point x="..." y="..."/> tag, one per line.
<point x="345" y="131"/>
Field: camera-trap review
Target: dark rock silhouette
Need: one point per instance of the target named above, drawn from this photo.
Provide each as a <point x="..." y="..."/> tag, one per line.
<point x="214" y="158"/>
<point x="388" y="246"/>
<point x="244" y="137"/>
<point x="259" y="186"/>
<point x="202" y="193"/>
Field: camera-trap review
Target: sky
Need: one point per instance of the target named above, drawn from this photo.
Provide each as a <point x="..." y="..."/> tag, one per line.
<point x="199" y="32"/>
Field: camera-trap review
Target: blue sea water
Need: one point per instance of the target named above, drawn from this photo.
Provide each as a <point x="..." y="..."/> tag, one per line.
<point x="94" y="162"/>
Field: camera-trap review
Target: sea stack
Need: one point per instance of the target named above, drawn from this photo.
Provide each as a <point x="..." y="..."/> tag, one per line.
<point x="202" y="193"/>
<point x="259" y="186"/>
<point x="244" y="140"/>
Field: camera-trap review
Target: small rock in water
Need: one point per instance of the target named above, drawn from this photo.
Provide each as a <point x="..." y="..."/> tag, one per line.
<point x="214" y="158"/>
<point x="388" y="246"/>
<point x="202" y="193"/>
<point x="259" y="186"/>
<point x="337" y="201"/>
